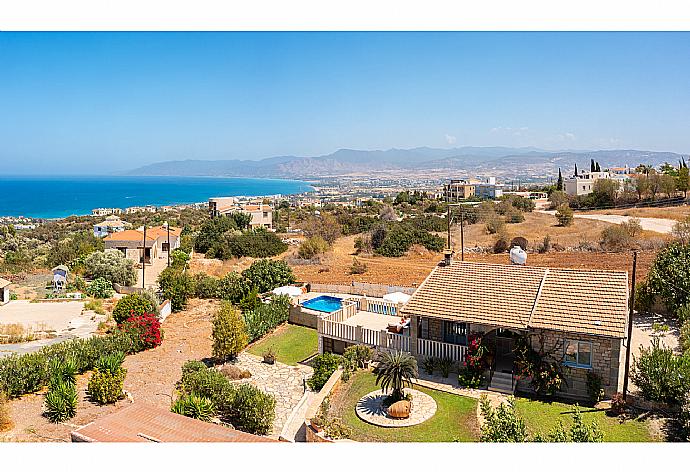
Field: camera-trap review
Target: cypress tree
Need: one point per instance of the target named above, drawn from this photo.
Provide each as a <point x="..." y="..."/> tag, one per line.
<point x="576" y="169"/>
<point x="591" y="165"/>
<point x="559" y="183"/>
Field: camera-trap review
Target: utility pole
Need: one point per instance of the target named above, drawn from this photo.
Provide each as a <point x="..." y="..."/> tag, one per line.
<point x="167" y="225"/>
<point x="143" y="261"/>
<point x="630" y="325"/>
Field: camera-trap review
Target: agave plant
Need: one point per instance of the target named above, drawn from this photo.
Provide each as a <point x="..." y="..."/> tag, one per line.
<point x="63" y="371"/>
<point x="395" y="371"/>
<point x="111" y="363"/>
<point x="61" y="401"/>
<point x="194" y="406"/>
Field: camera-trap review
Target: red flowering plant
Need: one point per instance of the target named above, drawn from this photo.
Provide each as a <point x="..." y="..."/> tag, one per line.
<point x="145" y="330"/>
<point x="541" y="365"/>
<point x="472" y="371"/>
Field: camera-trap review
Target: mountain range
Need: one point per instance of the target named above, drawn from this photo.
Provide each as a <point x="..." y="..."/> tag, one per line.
<point x="500" y="161"/>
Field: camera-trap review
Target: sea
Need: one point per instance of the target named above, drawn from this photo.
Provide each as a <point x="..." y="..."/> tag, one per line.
<point x="59" y="197"/>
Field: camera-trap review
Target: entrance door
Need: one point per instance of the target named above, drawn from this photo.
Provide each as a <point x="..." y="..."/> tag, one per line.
<point x="504" y="353"/>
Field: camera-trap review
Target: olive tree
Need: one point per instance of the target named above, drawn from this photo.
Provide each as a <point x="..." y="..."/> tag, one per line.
<point x="110" y="265"/>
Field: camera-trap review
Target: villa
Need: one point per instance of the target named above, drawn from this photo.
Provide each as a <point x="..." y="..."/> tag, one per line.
<point x="578" y="316"/>
<point x="112" y="224"/>
<point x="261" y="213"/>
<point x="131" y="243"/>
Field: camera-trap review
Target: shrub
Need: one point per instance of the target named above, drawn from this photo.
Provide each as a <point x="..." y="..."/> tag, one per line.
<point x="358" y="267"/>
<point x="325" y="226"/>
<point x="501" y="424"/>
<point x="615" y="238"/>
<point x="194" y="406"/>
<point x="133" y="304"/>
<point x="354" y="357"/>
<point x="233" y="287"/>
<point x="63" y="371"/>
<point x="111" y="265"/>
<point x="144" y="330"/>
<point x="684" y="415"/>
<point x="232" y="372"/>
<point x="205" y="382"/>
<point x="495" y="224"/>
<point x="594" y="390"/>
<point x="501" y="245"/>
<point x="61" y="402"/>
<point x="179" y="259"/>
<point x="429" y="364"/>
<point x="206" y="286"/>
<point x="252" y="411"/>
<point x="669" y="276"/>
<point x="28" y="373"/>
<point x="564" y="215"/>
<point x="312" y="247"/>
<point x="253" y="243"/>
<point x="324" y="365"/>
<point x="444" y="365"/>
<point x="100" y="288"/>
<point x="583" y="432"/>
<point x="519" y="241"/>
<point x="177" y="287"/>
<point x="266" y="317"/>
<point x="660" y="374"/>
<point x="469" y="378"/>
<point x="513" y="215"/>
<point x="545" y="246"/>
<point x="267" y="274"/>
<point x="618" y="404"/>
<point x="106" y="386"/>
<point x="96" y="306"/>
<point x="229" y="332"/>
<point x="250" y="301"/>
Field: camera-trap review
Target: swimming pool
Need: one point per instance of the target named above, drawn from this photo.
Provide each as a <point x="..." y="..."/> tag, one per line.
<point x="324" y="303"/>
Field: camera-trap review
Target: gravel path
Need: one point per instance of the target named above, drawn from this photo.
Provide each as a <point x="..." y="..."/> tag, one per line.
<point x="659" y="225"/>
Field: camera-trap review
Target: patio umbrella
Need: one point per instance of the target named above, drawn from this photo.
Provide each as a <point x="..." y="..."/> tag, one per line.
<point x="397" y="297"/>
<point x="290" y="290"/>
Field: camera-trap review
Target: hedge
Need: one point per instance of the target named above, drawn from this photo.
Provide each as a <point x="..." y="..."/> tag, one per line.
<point x="266" y="317"/>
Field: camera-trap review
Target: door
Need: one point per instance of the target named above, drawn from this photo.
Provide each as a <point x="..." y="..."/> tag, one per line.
<point x="504" y="353"/>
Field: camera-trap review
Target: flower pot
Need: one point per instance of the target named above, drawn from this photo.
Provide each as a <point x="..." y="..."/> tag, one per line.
<point x="400" y="409"/>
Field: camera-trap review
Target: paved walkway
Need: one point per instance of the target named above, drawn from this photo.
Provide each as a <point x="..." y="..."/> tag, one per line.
<point x="659" y="225"/>
<point x="284" y="382"/>
<point x="370" y="408"/>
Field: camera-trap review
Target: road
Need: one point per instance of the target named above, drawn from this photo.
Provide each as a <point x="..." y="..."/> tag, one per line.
<point x="659" y="225"/>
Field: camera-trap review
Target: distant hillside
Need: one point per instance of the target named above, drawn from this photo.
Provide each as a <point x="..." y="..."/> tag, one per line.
<point x="498" y="160"/>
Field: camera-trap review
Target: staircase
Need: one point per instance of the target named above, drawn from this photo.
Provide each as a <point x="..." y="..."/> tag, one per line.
<point x="502" y="382"/>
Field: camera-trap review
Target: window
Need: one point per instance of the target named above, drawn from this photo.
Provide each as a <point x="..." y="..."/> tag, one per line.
<point x="423" y="328"/>
<point x="455" y="333"/>
<point x="577" y="353"/>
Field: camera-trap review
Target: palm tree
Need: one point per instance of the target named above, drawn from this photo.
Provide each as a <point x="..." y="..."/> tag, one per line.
<point x="395" y="371"/>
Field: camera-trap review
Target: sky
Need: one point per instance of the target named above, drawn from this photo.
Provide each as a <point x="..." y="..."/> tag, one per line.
<point x="107" y="102"/>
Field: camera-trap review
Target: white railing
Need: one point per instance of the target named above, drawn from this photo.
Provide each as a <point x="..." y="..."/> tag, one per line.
<point x="371" y="336"/>
<point x="333" y="329"/>
<point x="429" y="348"/>
<point x="380" y="306"/>
<point x="348" y="310"/>
<point x="398" y="342"/>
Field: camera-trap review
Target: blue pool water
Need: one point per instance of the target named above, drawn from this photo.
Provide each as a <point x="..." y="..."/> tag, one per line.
<point x="324" y="303"/>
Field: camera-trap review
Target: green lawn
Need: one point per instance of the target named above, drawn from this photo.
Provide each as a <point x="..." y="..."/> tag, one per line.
<point x="292" y="344"/>
<point x="455" y="418"/>
<point x="542" y="416"/>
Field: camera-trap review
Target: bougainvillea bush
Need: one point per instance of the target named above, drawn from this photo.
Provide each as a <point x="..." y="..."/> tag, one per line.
<point x="472" y="370"/>
<point x="145" y="330"/>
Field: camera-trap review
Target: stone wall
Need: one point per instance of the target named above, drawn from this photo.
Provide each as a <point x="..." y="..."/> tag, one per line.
<point x="302" y="318"/>
<point x="606" y="362"/>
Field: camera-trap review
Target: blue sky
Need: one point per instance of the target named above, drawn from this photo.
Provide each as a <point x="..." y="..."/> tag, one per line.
<point x="103" y="102"/>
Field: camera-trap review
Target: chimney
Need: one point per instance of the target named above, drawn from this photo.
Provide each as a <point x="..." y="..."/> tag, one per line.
<point x="447" y="257"/>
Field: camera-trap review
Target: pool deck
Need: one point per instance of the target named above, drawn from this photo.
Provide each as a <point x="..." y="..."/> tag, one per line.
<point x="371" y="320"/>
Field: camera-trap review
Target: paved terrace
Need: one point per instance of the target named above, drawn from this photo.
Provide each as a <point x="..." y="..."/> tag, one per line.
<point x="371" y="320"/>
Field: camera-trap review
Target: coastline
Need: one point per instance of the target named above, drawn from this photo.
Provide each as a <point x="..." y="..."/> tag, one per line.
<point x="42" y="197"/>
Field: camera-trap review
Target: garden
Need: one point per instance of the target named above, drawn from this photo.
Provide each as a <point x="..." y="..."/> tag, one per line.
<point x="290" y="343"/>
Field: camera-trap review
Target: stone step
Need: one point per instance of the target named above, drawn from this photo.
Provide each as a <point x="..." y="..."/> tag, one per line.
<point x="502" y="382"/>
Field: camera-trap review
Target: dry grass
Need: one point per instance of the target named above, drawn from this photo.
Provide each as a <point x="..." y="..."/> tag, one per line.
<point x="671" y="213"/>
<point x="5" y="419"/>
<point x="16" y="333"/>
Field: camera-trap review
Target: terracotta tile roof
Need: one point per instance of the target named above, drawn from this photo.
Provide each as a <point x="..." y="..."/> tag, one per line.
<point x="140" y="422"/>
<point x="161" y="231"/>
<point x="512" y="296"/>
<point x="128" y="235"/>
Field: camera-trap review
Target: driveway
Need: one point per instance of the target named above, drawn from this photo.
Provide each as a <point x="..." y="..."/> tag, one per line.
<point x="152" y="272"/>
<point x="659" y="225"/>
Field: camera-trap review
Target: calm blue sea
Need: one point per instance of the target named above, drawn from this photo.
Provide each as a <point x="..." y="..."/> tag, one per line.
<point x="58" y="197"/>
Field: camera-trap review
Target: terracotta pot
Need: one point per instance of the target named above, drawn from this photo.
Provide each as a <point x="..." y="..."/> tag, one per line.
<point x="400" y="409"/>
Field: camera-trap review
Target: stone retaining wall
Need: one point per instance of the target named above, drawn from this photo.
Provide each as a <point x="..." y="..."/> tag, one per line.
<point x="301" y="317"/>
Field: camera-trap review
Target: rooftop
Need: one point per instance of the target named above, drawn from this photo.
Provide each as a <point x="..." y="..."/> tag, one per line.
<point x="140" y="422"/>
<point x="518" y="297"/>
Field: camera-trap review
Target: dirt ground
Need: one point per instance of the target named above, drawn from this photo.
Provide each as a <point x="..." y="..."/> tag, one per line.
<point x="413" y="268"/>
<point x="215" y="267"/>
<point x="151" y="378"/>
<point x="674" y="213"/>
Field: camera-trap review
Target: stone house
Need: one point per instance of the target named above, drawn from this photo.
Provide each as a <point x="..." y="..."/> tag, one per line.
<point x="578" y="317"/>
<point x="131" y="243"/>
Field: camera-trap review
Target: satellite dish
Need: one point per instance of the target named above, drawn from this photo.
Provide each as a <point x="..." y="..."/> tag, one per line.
<point x="518" y="256"/>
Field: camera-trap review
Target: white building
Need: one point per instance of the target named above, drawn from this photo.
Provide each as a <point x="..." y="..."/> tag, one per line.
<point x="112" y="224"/>
<point x="106" y="211"/>
<point x="4" y="291"/>
<point x="489" y="189"/>
<point x="583" y="183"/>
